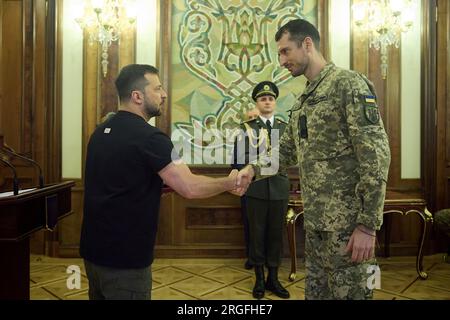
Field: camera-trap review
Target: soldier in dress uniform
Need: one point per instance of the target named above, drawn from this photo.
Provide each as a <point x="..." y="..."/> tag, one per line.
<point x="266" y="200"/>
<point x="336" y="136"/>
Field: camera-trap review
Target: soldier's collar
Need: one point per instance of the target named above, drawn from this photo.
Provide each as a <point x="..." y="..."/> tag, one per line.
<point x="264" y="120"/>
<point x="311" y="86"/>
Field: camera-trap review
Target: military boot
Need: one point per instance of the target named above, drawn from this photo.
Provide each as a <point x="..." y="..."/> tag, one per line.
<point x="259" y="289"/>
<point x="274" y="285"/>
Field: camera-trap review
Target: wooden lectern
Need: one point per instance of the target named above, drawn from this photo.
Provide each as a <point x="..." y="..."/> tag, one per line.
<point x="23" y="212"/>
<point x="20" y="216"/>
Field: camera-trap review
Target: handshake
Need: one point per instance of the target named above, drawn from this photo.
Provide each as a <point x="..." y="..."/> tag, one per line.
<point x="240" y="180"/>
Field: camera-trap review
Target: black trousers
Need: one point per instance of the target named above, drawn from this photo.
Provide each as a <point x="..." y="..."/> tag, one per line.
<point x="245" y="224"/>
<point x="266" y="221"/>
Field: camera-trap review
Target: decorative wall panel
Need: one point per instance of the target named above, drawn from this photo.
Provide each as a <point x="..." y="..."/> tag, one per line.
<point x="220" y="51"/>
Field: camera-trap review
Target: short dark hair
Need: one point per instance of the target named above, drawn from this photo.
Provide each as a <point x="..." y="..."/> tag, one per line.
<point x="298" y="30"/>
<point x="132" y="77"/>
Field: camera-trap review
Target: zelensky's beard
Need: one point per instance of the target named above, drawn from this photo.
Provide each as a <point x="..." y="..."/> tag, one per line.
<point x="151" y="110"/>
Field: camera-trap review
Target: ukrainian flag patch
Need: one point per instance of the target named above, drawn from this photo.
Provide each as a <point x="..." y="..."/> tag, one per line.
<point x="370" y="99"/>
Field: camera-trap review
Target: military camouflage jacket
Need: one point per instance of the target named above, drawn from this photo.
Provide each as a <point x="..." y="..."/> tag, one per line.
<point x="336" y="136"/>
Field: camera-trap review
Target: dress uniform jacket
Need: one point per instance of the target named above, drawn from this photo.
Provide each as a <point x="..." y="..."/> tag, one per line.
<point x="254" y="136"/>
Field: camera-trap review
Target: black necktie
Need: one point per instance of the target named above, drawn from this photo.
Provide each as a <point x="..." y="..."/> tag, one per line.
<point x="269" y="128"/>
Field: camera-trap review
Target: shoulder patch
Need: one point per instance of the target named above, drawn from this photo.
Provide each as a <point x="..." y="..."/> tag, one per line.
<point x="372" y="113"/>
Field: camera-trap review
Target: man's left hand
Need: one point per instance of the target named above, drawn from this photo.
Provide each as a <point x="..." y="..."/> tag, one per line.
<point x="361" y="244"/>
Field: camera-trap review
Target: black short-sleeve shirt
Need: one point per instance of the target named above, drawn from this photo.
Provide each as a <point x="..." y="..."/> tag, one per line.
<point x="122" y="191"/>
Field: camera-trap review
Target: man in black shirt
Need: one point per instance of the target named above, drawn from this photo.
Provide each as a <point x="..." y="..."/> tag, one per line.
<point x="127" y="162"/>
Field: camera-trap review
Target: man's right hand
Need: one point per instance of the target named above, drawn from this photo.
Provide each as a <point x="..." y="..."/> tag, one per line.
<point x="243" y="180"/>
<point x="232" y="179"/>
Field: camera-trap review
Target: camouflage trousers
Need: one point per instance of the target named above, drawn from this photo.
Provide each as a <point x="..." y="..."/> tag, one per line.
<point x="442" y="221"/>
<point x="330" y="273"/>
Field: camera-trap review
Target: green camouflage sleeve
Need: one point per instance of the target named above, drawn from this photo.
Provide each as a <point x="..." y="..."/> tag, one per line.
<point x="371" y="147"/>
<point x="287" y="147"/>
<point x="283" y="155"/>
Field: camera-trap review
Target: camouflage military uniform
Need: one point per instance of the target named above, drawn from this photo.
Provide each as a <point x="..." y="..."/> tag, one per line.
<point x="337" y="137"/>
<point x="442" y="222"/>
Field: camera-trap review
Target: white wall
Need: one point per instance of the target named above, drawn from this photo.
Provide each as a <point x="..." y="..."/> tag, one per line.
<point x="411" y="98"/>
<point x="146" y="32"/>
<point x="339" y="32"/>
<point x="72" y="92"/>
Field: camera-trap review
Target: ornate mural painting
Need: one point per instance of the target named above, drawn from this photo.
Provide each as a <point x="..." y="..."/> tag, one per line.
<point x="220" y="50"/>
